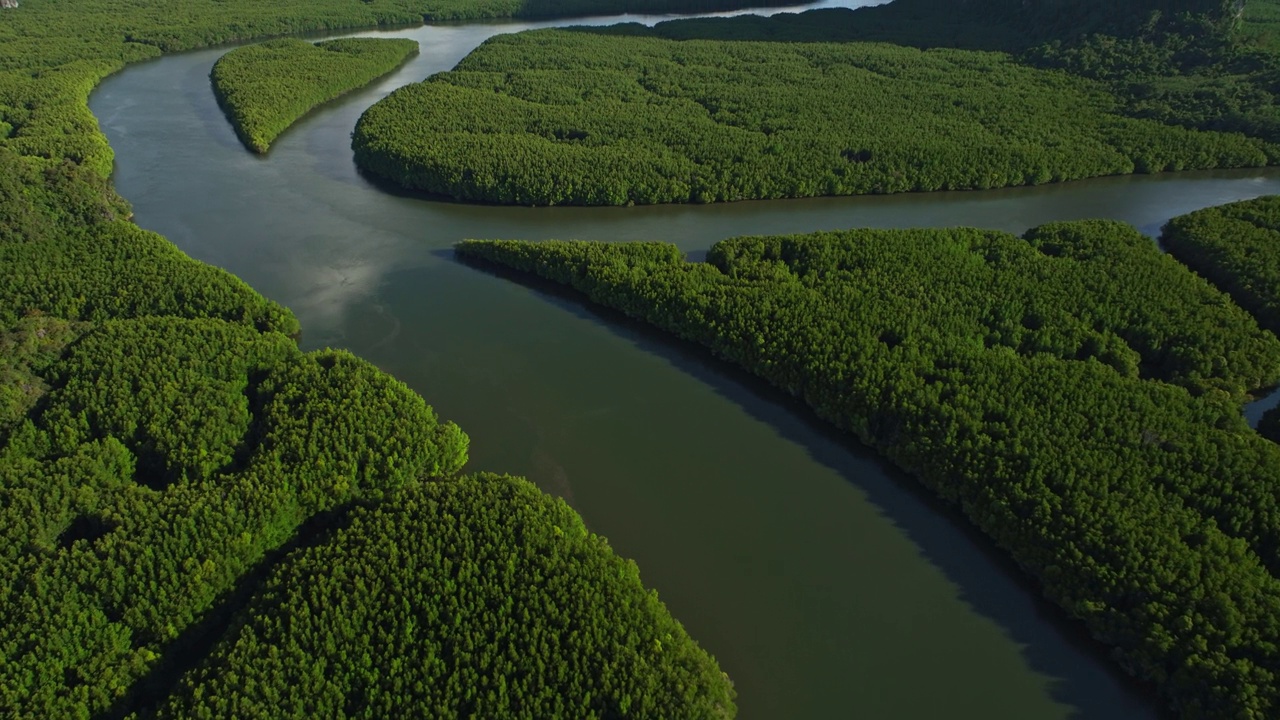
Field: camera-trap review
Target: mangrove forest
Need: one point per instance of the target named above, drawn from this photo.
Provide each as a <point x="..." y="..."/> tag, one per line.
<point x="265" y="88"/>
<point x="1074" y="392"/>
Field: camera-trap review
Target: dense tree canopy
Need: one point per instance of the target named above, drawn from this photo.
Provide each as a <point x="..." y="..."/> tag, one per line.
<point x="1260" y="24"/>
<point x="176" y="475"/>
<point x="549" y="118"/>
<point x="1191" y="65"/>
<point x="53" y="52"/>
<point x="164" y="459"/>
<point x="1237" y="247"/>
<point x="500" y="605"/>
<point x="264" y="88"/>
<point x="554" y="117"/>
<point x="1075" y="392"/>
<point x="152" y="466"/>
<point x="68" y="251"/>
<point x="165" y="445"/>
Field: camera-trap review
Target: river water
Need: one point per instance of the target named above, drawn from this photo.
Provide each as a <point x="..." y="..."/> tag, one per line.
<point x="824" y="582"/>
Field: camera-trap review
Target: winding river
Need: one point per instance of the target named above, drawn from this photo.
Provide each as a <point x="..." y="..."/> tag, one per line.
<point x="824" y="582"/>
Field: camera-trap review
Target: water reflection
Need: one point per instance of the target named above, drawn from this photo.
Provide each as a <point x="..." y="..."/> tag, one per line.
<point x="1254" y="411"/>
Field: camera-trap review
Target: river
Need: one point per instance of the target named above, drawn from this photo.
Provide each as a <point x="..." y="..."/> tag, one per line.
<point x="825" y="583"/>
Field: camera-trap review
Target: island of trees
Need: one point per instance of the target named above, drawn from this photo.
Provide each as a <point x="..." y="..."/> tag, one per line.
<point x="1075" y="392"/>
<point x="1237" y="247"/>
<point x="265" y="88"/>
<point x="950" y="96"/>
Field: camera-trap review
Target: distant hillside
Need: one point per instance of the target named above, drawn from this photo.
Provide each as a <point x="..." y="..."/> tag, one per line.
<point x="1066" y="19"/>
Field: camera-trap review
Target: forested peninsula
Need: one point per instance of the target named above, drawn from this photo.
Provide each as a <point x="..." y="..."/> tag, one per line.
<point x="265" y="88"/>
<point x="1075" y="392"/>
<point x="1237" y="247"/>
<point x="946" y="96"/>
<point x="173" y="467"/>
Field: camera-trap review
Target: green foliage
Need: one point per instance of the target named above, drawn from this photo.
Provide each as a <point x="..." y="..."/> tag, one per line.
<point x="481" y="597"/>
<point x="170" y="456"/>
<point x="1179" y="79"/>
<point x="1175" y="63"/>
<point x="67" y="252"/>
<point x="1069" y="19"/>
<point x="163" y="442"/>
<point x="1260" y="24"/>
<point x="49" y="33"/>
<point x="39" y="197"/>
<point x="26" y="349"/>
<point x="47" y="113"/>
<point x="1075" y="392"/>
<point x="1007" y="25"/>
<point x="1237" y="247"/>
<point x="265" y="88"/>
<point x="52" y="54"/>
<point x="560" y="117"/>
<point x="119" y="270"/>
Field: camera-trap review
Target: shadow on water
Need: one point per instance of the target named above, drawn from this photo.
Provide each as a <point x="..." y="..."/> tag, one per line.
<point x="1258" y="409"/>
<point x="198" y="88"/>
<point x="987" y="579"/>
<point x="396" y="190"/>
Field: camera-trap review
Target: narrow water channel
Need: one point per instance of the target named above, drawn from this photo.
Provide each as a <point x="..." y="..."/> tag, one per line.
<point x="823" y="582"/>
